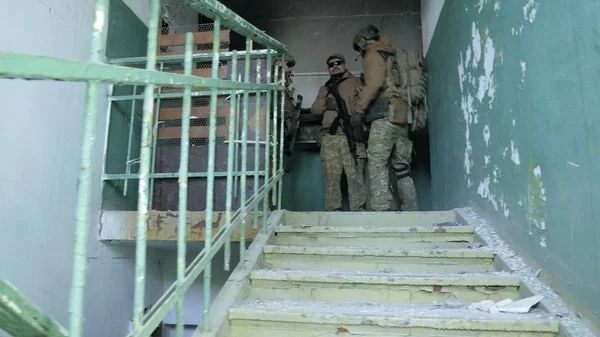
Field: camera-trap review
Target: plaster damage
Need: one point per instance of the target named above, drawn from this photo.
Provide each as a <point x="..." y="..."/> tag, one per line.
<point x="480" y="5"/>
<point x="473" y="88"/>
<point x="484" y="191"/>
<point x="523" y="69"/>
<point x="486" y="135"/>
<point x="517" y="31"/>
<point x="514" y="153"/>
<point x="536" y="201"/>
<point x="530" y="10"/>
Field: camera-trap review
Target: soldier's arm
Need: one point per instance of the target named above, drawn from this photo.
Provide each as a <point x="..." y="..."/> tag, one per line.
<point x="318" y="107"/>
<point x="374" y="69"/>
<point x="351" y="104"/>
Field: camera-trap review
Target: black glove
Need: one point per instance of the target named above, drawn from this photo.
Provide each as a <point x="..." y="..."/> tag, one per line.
<point x="357" y="120"/>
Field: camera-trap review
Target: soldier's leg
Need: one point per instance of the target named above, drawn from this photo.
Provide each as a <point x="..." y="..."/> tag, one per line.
<point x="400" y="162"/>
<point x="332" y="171"/>
<point x="357" y="195"/>
<point x="381" y="141"/>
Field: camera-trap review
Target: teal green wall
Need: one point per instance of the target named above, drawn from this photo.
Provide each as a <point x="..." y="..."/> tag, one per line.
<point x="516" y="130"/>
<point x="126" y="37"/>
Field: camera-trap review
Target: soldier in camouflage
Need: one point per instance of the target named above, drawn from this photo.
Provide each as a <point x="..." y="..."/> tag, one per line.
<point x="389" y="142"/>
<point x="335" y="151"/>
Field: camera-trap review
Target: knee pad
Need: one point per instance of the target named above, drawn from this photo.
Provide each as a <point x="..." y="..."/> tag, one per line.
<point x="401" y="172"/>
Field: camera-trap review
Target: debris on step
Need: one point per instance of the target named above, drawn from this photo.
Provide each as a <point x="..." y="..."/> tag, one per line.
<point x="446" y="224"/>
<point x="454" y="304"/>
<point x="521" y="306"/>
<point x="475" y="245"/>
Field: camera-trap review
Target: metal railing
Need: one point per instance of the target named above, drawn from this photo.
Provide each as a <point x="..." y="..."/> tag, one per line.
<point x="120" y="71"/>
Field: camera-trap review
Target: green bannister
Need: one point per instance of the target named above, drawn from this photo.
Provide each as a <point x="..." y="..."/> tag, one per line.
<point x="20" y="317"/>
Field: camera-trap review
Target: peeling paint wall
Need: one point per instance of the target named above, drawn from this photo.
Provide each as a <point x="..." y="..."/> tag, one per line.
<point x="513" y="102"/>
<point x="40" y="155"/>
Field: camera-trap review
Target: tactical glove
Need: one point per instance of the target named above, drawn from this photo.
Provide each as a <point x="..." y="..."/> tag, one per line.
<point x="357" y="120"/>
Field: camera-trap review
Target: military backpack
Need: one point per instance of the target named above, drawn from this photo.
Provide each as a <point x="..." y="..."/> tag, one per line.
<point x="407" y="78"/>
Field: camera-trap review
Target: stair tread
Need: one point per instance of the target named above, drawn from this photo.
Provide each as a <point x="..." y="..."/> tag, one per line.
<point x="485" y="253"/>
<point x="374" y="229"/>
<point x="331" y="276"/>
<point x="383" y="314"/>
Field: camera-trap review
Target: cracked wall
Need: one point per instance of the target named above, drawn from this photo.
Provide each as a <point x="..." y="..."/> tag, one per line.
<point x="513" y="100"/>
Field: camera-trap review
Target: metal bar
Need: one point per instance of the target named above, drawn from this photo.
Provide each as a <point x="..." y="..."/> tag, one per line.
<point x="24" y="66"/>
<point x="155" y="141"/>
<point x="212" y="121"/>
<point x="19" y="316"/>
<point x="142" y="220"/>
<point x="256" y="145"/>
<point x="214" y="9"/>
<point x="84" y="185"/>
<point x="158" y="312"/>
<point x="183" y="181"/>
<point x="322" y="73"/>
<point x="121" y="176"/>
<point x="266" y="206"/>
<point x="194" y="94"/>
<point x="199" y="57"/>
<point x="281" y="135"/>
<point x="129" y="142"/>
<point x="275" y="115"/>
<point x="238" y="143"/>
<point x="230" y="152"/>
<point x="243" y="186"/>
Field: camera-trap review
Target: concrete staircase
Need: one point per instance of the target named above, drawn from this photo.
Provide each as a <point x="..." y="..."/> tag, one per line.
<point x="388" y="274"/>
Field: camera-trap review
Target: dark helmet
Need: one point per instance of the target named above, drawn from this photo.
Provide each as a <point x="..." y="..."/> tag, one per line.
<point x="368" y="33"/>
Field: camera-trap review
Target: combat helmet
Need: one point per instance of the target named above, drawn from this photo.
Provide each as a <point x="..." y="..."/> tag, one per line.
<point x="290" y="61"/>
<point x="369" y="32"/>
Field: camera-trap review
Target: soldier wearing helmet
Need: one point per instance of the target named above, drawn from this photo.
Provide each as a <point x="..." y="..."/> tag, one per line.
<point x="290" y="62"/>
<point x="388" y="118"/>
<point x="336" y="156"/>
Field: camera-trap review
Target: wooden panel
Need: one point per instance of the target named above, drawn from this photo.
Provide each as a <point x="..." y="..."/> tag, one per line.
<point x="198" y="111"/>
<point x="180" y="90"/>
<point x="203" y="72"/>
<point x="162" y="226"/>
<point x="195" y="132"/>
<point x="181" y="52"/>
<point x="199" y="38"/>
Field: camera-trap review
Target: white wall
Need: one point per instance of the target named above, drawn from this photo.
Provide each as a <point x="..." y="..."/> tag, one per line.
<point x="40" y="138"/>
<point x="430" y="13"/>
<point x="182" y="15"/>
<point x="316" y="30"/>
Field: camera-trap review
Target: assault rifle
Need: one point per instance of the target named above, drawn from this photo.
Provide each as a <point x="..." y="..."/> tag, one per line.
<point x="291" y="133"/>
<point x="342" y="116"/>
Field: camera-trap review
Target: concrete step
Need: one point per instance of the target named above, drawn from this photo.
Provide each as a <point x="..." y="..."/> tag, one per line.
<point x="371" y="236"/>
<point x="378" y="259"/>
<point x="303" y="285"/>
<point x="254" y="318"/>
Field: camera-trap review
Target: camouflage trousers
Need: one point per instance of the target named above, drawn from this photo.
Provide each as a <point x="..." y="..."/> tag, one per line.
<point x="389" y="145"/>
<point x="337" y="159"/>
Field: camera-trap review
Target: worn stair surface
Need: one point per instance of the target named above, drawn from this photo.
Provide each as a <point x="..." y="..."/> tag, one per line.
<point x="380" y="275"/>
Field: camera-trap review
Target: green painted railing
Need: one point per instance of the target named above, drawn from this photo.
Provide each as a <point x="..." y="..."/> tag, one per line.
<point x="123" y="72"/>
